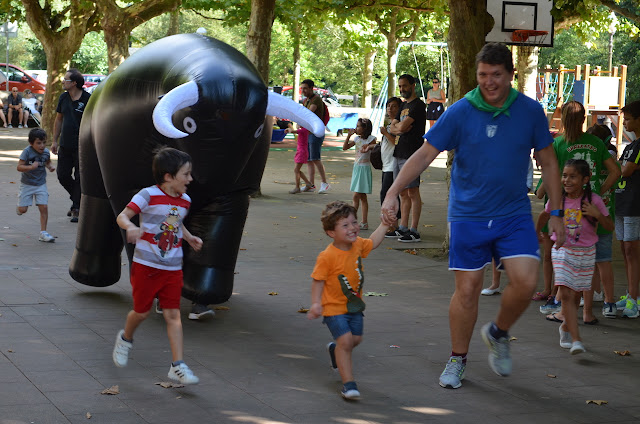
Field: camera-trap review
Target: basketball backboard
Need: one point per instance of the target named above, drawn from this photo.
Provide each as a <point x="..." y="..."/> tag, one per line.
<point x="512" y="15"/>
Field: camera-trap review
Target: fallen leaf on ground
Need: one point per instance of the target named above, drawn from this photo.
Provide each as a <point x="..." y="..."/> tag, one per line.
<point x="221" y="308"/>
<point x="113" y="390"/>
<point x="623" y="352"/>
<point x="88" y="415"/>
<point x="375" y="294"/>
<point x="303" y="310"/>
<point x="412" y="251"/>
<point x="598" y="402"/>
<point x="428" y="225"/>
<point x="512" y="338"/>
<point x="273" y="293"/>
<point x="169" y="385"/>
<point x="293" y="217"/>
<point x="551" y="376"/>
<point x="242" y="248"/>
<point x="9" y="350"/>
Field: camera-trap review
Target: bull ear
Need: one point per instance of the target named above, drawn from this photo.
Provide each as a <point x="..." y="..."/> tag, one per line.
<point x="282" y="107"/>
<point x="180" y="97"/>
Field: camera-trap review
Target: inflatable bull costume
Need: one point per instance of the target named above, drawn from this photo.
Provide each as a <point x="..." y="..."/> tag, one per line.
<point x="195" y="94"/>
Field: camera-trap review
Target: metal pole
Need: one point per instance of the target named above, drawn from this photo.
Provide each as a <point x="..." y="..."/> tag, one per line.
<point x="610" y="52"/>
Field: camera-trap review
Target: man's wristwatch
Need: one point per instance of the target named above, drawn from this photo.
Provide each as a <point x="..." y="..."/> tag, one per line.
<point x="557" y="212"/>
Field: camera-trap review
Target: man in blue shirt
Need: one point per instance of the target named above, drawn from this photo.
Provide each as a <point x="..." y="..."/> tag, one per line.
<point x="492" y="129"/>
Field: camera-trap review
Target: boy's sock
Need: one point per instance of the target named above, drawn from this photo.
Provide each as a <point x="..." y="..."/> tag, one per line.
<point x="176" y="363"/>
<point x="125" y="339"/>
<point x="462" y="355"/>
<point x="497" y="333"/>
<point x="350" y="385"/>
<point x="415" y="230"/>
<point x="403" y="228"/>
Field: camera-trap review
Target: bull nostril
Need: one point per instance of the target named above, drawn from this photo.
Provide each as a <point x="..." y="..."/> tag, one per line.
<point x="189" y="125"/>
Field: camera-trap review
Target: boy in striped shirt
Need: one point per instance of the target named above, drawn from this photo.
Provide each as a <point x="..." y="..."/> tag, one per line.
<point x="156" y="270"/>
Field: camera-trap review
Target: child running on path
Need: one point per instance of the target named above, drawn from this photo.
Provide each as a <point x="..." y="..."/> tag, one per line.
<point x="156" y="270"/>
<point x="574" y="262"/>
<point x="336" y="292"/>
<point x="361" y="178"/>
<point x="33" y="183"/>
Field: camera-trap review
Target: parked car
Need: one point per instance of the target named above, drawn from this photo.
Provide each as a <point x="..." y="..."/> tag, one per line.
<point x="92" y="79"/>
<point x="18" y="77"/>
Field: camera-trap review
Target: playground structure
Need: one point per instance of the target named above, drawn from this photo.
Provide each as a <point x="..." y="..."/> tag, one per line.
<point x="601" y="92"/>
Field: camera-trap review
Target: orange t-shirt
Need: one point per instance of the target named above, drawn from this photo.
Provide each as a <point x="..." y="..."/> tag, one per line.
<point x="343" y="278"/>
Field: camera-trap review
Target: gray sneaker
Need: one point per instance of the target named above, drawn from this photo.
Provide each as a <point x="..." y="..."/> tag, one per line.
<point x="499" y="354"/>
<point x="199" y="311"/>
<point x="453" y="373"/>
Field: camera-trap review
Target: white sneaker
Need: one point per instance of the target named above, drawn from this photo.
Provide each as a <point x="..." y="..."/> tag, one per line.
<point x="200" y="311"/>
<point x="19" y="125"/>
<point x="46" y="237"/>
<point x="565" y="338"/>
<point x="324" y="187"/>
<point x="577" y="347"/>
<point x="490" y="292"/>
<point x="183" y="374"/>
<point x="598" y="296"/>
<point x="158" y="307"/>
<point x="121" y="350"/>
<point x="581" y="301"/>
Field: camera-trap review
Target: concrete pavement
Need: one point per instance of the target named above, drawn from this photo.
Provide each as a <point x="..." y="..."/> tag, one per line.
<point x="261" y="361"/>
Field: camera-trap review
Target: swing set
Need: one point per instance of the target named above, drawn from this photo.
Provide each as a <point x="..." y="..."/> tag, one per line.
<point x="379" y="108"/>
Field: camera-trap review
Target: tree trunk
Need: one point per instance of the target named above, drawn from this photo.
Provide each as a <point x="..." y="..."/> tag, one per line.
<point x="296" y="62"/>
<point x="174" y="23"/>
<point x="118" y="22"/>
<point x="527" y="67"/>
<point x="59" y="45"/>
<point x="392" y="62"/>
<point x="367" y="78"/>
<point x="259" y="35"/>
<point x="469" y="22"/>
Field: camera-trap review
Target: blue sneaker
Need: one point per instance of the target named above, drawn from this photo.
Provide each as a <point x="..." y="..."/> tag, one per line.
<point x="631" y="309"/>
<point x="499" y="353"/>
<point x="453" y="373"/>
<point x="551" y="307"/>
<point x="609" y="310"/>
<point x="620" y="304"/>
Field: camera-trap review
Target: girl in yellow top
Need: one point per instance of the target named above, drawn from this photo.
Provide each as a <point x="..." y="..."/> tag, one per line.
<point x="336" y="292"/>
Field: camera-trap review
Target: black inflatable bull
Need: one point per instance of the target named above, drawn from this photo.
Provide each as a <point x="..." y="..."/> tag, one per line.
<point x="196" y="94"/>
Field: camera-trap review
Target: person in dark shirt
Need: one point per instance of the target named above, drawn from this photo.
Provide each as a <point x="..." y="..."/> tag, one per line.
<point x="71" y="105"/>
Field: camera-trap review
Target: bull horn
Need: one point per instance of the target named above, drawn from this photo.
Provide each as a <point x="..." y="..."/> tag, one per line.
<point x="180" y="97"/>
<point x="282" y="107"/>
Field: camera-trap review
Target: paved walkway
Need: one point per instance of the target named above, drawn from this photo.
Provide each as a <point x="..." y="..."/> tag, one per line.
<point x="261" y="361"/>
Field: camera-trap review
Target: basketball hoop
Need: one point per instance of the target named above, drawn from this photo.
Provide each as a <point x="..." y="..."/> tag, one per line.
<point x="529" y="36"/>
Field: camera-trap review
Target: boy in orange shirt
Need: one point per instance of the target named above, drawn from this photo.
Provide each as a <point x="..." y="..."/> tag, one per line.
<point x="336" y="292"/>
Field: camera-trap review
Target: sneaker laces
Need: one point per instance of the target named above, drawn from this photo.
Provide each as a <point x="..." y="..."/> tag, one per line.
<point x="500" y="347"/>
<point x="454" y="366"/>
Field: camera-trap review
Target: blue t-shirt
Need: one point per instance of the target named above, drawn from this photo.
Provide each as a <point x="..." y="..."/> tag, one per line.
<point x="492" y="156"/>
<point x="38" y="176"/>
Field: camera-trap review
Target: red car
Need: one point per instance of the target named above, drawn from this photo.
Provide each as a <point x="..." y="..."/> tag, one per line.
<point x="19" y="78"/>
<point x="92" y="79"/>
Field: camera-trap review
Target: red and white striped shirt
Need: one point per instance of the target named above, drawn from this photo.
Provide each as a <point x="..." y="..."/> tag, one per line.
<point x="161" y="216"/>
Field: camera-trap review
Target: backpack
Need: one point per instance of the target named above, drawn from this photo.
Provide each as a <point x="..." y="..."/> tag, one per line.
<point x="325" y="117"/>
<point x="376" y="156"/>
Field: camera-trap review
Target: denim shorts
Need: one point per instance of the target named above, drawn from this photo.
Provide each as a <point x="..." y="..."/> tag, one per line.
<point x="474" y="243"/>
<point x="315" y="145"/>
<point x="339" y="325"/>
<point x="398" y="167"/>
<point x="604" y="248"/>
<point x="29" y="192"/>
<point x="628" y="228"/>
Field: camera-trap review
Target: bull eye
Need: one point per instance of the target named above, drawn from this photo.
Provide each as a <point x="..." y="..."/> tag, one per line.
<point x="189" y="125"/>
<point x="259" y="131"/>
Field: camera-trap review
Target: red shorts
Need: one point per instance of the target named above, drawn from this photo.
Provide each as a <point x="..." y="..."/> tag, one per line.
<point x="149" y="283"/>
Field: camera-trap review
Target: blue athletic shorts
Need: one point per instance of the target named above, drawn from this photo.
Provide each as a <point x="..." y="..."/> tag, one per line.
<point x="604" y="248"/>
<point x="315" y="146"/>
<point x="30" y="192"/>
<point x="340" y="325"/>
<point x="472" y="244"/>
